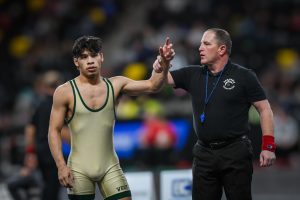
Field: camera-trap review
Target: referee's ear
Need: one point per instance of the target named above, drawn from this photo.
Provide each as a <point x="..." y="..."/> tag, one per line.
<point x="222" y="50"/>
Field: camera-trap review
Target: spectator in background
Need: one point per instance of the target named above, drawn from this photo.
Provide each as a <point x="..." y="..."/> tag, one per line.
<point x="222" y="93"/>
<point x="27" y="178"/>
<point x="158" y="137"/>
<point x="286" y="134"/>
<point x="36" y="136"/>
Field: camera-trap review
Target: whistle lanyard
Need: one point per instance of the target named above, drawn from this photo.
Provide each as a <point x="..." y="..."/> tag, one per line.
<point x="207" y="97"/>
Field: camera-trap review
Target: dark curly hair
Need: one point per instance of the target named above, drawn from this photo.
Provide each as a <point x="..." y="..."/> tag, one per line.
<point x="90" y="43"/>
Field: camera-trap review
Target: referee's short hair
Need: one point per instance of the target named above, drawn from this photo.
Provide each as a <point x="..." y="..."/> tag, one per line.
<point x="223" y="37"/>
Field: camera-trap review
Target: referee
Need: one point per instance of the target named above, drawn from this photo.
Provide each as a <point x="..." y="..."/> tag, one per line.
<point x="222" y="93"/>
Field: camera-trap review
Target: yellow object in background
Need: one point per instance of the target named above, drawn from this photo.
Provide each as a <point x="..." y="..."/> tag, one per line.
<point x="35" y="5"/>
<point x="286" y="58"/>
<point x="19" y="46"/>
<point x="97" y="16"/>
<point x="135" y="71"/>
<point x="153" y="107"/>
<point x="128" y="109"/>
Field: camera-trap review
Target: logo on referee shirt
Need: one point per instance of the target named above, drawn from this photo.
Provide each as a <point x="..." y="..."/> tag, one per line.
<point x="229" y="84"/>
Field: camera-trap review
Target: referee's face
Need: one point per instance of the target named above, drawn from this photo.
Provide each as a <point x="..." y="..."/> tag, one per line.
<point x="208" y="49"/>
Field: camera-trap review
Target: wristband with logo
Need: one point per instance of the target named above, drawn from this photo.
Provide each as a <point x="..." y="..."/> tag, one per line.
<point x="268" y="143"/>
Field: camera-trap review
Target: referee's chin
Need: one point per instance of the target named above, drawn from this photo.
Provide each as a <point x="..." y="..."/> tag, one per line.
<point x="202" y="62"/>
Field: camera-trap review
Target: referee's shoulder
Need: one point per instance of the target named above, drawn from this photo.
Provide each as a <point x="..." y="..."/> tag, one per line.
<point x="189" y="67"/>
<point x="240" y="68"/>
<point x="195" y="66"/>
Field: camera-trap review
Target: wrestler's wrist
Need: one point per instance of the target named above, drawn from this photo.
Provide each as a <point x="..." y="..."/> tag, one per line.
<point x="60" y="163"/>
<point x="268" y="143"/>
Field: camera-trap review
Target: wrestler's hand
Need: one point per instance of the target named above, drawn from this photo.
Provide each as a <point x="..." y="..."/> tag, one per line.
<point x="65" y="177"/>
<point x="166" y="54"/>
<point x="267" y="158"/>
<point x="157" y="67"/>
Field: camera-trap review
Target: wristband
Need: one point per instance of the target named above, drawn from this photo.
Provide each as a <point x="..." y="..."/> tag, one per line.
<point x="30" y="149"/>
<point x="268" y="143"/>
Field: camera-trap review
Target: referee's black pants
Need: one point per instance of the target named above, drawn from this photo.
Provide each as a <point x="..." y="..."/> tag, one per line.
<point x="229" y="167"/>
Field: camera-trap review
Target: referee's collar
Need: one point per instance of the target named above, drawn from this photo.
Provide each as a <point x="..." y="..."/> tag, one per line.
<point x="226" y="68"/>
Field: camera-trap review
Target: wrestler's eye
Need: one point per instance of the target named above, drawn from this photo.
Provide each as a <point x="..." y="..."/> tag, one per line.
<point x="83" y="56"/>
<point x="94" y="54"/>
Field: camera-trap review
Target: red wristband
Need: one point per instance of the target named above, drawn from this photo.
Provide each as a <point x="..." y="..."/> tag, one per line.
<point x="268" y="143"/>
<point x="30" y="149"/>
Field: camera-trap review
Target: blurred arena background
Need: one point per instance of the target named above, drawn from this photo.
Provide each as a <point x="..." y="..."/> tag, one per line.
<point x="37" y="36"/>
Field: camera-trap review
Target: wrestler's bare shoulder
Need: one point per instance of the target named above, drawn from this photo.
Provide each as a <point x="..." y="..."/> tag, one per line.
<point x="119" y="81"/>
<point x="64" y="92"/>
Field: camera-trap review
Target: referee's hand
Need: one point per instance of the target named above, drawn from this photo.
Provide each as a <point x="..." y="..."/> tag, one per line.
<point x="166" y="54"/>
<point x="267" y="158"/>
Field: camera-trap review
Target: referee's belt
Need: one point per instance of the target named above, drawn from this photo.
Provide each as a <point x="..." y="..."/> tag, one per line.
<point x="220" y="144"/>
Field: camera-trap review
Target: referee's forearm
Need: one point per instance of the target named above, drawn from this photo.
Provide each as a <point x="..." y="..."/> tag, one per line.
<point x="266" y="122"/>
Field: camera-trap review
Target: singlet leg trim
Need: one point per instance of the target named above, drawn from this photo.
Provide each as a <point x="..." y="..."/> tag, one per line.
<point x="119" y="196"/>
<point x="81" y="197"/>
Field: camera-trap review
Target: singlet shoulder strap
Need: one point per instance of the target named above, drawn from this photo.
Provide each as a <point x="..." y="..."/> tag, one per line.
<point x="113" y="95"/>
<point x="74" y="106"/>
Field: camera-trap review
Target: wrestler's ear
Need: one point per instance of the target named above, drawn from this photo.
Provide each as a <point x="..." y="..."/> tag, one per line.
<point x="75" y="60"/>
<point x="102" y="57"/>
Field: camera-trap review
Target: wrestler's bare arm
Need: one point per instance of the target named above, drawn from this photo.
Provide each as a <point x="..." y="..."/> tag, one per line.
<point x="61" y="102"/>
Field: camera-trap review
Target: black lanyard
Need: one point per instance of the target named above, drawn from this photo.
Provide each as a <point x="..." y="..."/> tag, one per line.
<point x="207" y="97"/>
